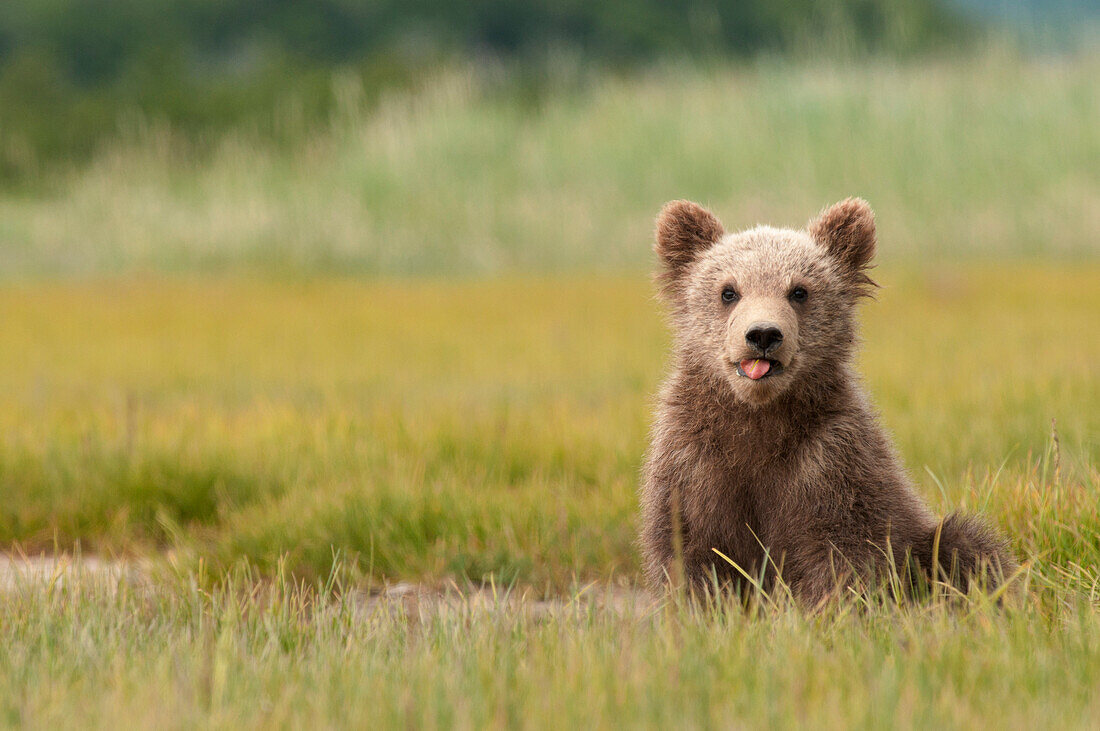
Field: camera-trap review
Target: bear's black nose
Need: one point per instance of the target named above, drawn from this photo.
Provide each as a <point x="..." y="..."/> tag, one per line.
<point x="764" y="336"/>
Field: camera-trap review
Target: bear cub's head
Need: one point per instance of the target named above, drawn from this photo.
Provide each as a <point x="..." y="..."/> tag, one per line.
<point x="768" y="310"/>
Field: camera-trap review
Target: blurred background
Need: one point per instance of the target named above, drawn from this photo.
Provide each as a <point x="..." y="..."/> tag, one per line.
<point x="282" y="280"/>
<point x="413" y="137"/>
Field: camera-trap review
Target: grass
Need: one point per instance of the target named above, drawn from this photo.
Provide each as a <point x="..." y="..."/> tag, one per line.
<point x="94" y="654"/>
<point x="986" y="156"/>
<point x="190" y="375"/>
<point x="435" y="430"/>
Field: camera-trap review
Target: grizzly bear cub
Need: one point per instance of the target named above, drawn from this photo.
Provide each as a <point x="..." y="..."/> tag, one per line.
<point x="764" y="446"/>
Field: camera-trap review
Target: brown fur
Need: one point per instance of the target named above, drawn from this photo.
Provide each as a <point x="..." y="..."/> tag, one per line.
<point x="794" y="466"/>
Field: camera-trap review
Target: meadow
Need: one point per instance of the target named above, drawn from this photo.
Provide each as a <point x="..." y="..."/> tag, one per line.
<point x="980" y="157"/>
<point x="422" y="346"/>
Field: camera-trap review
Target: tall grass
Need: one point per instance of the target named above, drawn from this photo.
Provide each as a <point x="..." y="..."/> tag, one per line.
<point x="98" y="654"/>
<point x="991" y="156"/>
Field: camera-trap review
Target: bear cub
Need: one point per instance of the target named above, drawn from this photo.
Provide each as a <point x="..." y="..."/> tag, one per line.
<point x="764" y="445"/>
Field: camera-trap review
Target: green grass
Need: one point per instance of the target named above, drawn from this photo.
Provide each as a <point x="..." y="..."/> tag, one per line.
<point x="985" y="156"/>
<point x="436" y="430"/>
<point x="93" y="654"/>
<point x="189" y="378"/>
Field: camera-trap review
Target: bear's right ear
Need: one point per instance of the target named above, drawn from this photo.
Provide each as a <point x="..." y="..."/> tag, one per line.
<point x="684" y="229"/>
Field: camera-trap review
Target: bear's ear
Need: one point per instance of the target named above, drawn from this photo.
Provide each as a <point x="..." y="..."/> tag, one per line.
<point x="847" y="231"/>
<point x="684" y="229"/>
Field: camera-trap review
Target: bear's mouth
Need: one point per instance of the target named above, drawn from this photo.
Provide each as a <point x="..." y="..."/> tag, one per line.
<point x="757" y="368"/>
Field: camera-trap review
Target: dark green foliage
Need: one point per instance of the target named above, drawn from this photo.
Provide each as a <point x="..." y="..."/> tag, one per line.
<point x="98" y="40"/>
<point x="73" y="72"/>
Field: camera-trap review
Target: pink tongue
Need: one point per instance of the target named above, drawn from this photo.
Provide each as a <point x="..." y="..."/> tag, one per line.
<point x="755" y="369"/>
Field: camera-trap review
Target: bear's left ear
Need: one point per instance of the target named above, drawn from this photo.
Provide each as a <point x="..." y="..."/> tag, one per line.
<point x="847" y="231"/>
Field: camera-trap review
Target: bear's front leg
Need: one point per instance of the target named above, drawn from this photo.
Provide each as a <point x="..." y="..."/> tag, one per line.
<point x="814" y="575"/>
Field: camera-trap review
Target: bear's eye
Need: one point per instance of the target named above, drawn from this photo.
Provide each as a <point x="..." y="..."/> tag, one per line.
<point x="798" y="294"/>
<point x="729" y="295"/>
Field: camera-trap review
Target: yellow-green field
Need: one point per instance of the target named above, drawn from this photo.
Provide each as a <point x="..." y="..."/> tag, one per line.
<point x="219" y="369"/>
<point x="434" y="429"/>
<point x="492" y="431"/>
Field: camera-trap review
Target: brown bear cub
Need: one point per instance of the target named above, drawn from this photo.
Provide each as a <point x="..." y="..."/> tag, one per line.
<point x="764" y="445"/>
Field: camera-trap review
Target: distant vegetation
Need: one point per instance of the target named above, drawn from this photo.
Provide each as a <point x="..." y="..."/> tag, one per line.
<point x="74" y="72"/>
<point x="994" y="157"/>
